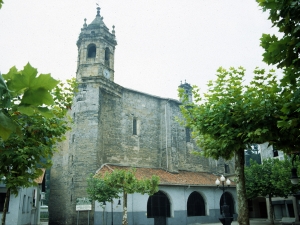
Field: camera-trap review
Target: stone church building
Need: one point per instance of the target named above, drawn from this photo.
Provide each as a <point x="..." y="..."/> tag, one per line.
<point x="115" y="127"/>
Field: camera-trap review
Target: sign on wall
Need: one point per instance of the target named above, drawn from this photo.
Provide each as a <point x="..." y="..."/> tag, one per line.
<point x="83" y="204"/>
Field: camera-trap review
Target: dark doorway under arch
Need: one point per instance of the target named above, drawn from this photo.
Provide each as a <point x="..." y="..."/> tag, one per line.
<point x="229" y="202"/>
<point x="158" y="207"/>
<point x="195" y="205"/>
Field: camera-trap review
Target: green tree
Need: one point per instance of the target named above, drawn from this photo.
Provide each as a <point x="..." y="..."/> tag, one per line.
<point x="231" y="116"/>
<point x="106" y="187"/>
<point x="99" y="190"/>
<point x="35" y="106"/>
<point x="283" y="51"/>
<point x="269" y="179"/>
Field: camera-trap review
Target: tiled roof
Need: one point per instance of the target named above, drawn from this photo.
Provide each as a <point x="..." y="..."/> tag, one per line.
<point x="166" y="178"/>
<point x="39" y="180"/>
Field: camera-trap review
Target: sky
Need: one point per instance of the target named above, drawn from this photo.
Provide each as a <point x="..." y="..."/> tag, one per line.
<point x="161" y="43"/>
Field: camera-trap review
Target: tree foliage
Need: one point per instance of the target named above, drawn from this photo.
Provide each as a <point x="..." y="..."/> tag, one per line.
<point x="33" y="119"/>
<point x="100" y="191"/>
<point x="26" y="93"/>
<point x="269" y="179"/>
<point x="105" y="188"/>
<point x="283" y="51"/>
<point x="289" y="121"/>
<point x="231" y="116"/>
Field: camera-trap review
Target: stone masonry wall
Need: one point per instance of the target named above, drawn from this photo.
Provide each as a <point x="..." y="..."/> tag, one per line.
<point x="103" y="114"/>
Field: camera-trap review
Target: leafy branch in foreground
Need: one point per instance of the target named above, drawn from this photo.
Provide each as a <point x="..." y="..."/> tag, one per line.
<point x="33" y="119"/>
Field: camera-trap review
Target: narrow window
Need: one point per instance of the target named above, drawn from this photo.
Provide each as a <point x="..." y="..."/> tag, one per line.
<point x="226" y="168"/>
<point x="187" y="135"/>
<point x="24" y="204"/>
<point x="28" y="204"/>
<point x="2" y="200"/>
<point x="34" y="198"/>
<point x="134" y="126"/>
<point x="275" y="153"/>
<point x="107" y="56"/>
<point x="91" y="51"/>
<point x="250" y="205"/>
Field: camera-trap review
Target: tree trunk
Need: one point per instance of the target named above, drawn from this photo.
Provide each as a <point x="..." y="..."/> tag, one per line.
<point x="103" y="213"/>
<point x="5" y="206"/>
<point x="271" y="210"/>
<point x="243" y="213"/>
<point x="124" y="220"/>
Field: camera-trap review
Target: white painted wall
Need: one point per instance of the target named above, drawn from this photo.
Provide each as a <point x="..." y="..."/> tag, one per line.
<point x="178" y="196"/>
<point x="16" y="215"/>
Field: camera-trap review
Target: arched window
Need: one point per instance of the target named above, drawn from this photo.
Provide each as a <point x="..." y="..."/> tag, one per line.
<point x="91" y="51"/>
<point x="229" y="201"/>
<point x="195" y="205"/>
<point x="107" y="56"/>
<point x="158" y="205"/>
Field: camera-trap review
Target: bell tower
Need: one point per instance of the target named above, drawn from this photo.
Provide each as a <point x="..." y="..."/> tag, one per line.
<point x="96" y="49"/>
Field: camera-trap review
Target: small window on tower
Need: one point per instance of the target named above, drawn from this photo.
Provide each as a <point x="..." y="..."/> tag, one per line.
<point x="107" y="56"/>
<point x="91" y="51"/>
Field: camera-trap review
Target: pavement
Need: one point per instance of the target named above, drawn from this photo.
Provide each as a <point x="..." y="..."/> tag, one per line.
<point x="252" y="222"/>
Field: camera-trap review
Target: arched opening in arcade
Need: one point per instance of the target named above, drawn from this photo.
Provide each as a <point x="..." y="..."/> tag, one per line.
<point x="227" y="197"/>
<point x="158" y="207"/>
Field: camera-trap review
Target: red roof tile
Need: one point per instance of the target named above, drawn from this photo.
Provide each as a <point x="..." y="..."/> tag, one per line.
<point x="166" y="178"/>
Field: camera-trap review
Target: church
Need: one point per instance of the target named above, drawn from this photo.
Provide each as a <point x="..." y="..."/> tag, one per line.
<point x="115" y="128"/>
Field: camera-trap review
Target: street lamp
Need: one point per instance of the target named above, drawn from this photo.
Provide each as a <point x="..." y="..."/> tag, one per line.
<point x="226" y="219"/>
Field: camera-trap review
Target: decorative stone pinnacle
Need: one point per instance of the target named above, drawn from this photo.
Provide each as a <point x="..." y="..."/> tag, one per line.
<point x="98" y="11"/>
